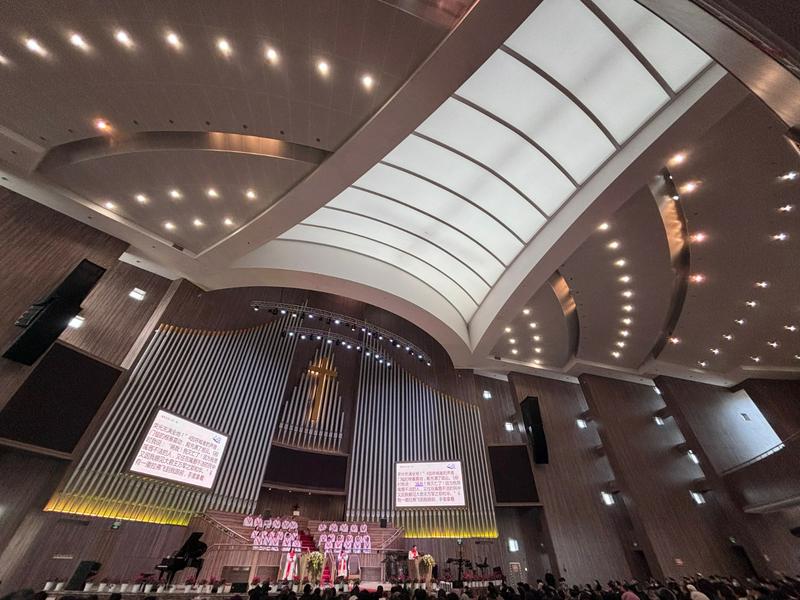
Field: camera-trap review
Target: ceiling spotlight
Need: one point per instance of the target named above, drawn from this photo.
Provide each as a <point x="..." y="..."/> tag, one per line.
<point x="123" y="38"/>
<point x="251" y="194"/>
<point x="751" y="303"/>
<point x="674" y="340"/>
<point x="727" y="336"/>
<point x="675" y="197"/>
<point x="676" y="159"/>
<point x="512" y="341"/>
<point x="755" y="358"/>
<point x="508" y="329"/>
<point x="76" y="40"/>
<point x="762" y="284"/>
<point x="739" y="321"/>
<point x="173" y="40"/>
<point x="627" y="308"/>
<point x="615" y="354"/>
<point x="175" y="194"/>
<point x="697" y="278"/>
<point x="603" y="226"/>
<point x="786" y="208"/>
<point x="272" y="55"/>
<point x="526" y="311"/>
<point x="169" y="225"/>
<point x="537" y="350"/>
<point x="212" y="193"/>
<point x="698" y="237"/>
<point x="627" y="293"/>
<point x="714" y="350"/>
<point x="621" y="344"/>
<point x="791" y="328"/>
<point x="537" y="338"/>
<point x="780" y="237"/>
<point x="514" y="351"/>
<point x="624" y="332"/>
<point x="224" y="46"/>
<point x="532" y="325"/>
<point x="3" y="60"/>
<point x="688" y="188"/>
<point x="620" y="262"/>
<point x="110" y="205"/>
<point x="627" y="320"/>
<point x="625" y="278"/>
<point x="773" y="344"/>
<point x="197" y="223"/>
<point x="102" y="125"/>
<point x="323" y="67"/>
<point x="34" y="46"/>
<point x="141" y="198"/>
<point x="789" y="176"/>
<point x="228" y="221"/>
<point x="613" y="245"/>
<point x="368" y="82"/>
<point x="702" y="363"/>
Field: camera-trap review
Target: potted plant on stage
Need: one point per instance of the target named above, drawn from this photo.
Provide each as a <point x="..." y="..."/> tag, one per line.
<point x="315" y="563"/>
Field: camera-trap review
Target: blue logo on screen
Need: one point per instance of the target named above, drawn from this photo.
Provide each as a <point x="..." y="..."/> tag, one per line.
<point x="451" y="465"/>
<point x="217" y="438"/>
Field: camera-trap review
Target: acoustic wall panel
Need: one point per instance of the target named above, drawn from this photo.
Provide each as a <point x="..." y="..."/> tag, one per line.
<point x="401" y="419"/>
<point x="229" y="381"/>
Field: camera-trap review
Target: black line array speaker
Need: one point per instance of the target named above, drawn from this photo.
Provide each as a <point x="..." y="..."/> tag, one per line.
<point x="45" y="319"/>
<point x="85" y="570"/>
<point x="384" y="523"/>
<point x="534" y="427"/>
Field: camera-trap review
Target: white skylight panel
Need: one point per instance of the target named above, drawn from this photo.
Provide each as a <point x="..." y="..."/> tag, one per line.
<point x="515" y="93"/>
<point x="673" y="55"/>
<point x="392" y="257"/>
<point x="470" y="180"/>
<point x="568" y="42"/>
<point x="413" y="244"/>
<point x="439" y="233"/>
<point x="443" y="205"/>
<point x="499" y="148"/>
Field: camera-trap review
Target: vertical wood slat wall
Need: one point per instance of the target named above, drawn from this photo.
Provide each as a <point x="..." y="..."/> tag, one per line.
<point x="399" y="418"/>
<point x="296" y="429"/>
<point x="230" y="381"/>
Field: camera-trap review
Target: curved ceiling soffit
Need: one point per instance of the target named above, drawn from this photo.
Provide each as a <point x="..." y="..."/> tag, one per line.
<point x="95" y="148"/>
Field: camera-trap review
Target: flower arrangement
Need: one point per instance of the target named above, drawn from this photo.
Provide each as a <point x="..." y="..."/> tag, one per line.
<point x="315" y="563"/>
<point x="426" y="563"/>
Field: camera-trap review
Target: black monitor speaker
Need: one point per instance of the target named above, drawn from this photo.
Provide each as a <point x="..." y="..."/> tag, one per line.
<point x="85" y="570"/>
<point x="534" y="427"/>
<point x="45" y="319"/>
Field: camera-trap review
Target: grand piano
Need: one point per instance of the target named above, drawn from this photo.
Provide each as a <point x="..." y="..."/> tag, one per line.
<point x="187" y="557"/>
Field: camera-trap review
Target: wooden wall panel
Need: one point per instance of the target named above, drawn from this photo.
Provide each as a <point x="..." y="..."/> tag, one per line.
<point x="657" y="478"/>
<point x="40" y="247"/>
<point x="496" y="412"/>
<point x="779" y="402"/>
<point x="313" y="506"/>
<point x="584" y="539"/>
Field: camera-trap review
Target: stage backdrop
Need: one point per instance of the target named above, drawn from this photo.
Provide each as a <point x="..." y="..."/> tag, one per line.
<point x="401" y="419"/>
<point x="229" y="381"/>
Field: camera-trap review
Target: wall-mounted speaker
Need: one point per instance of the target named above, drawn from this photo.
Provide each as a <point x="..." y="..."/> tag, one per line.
<point x="47" y="318"/>
<point x="534" y="428"/>
<point x="384" y="523"/>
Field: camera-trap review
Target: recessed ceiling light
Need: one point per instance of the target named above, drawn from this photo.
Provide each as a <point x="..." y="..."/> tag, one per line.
<point x="141" y="198"/>
<point x="123" y="38"/>
<point x="739" y="321"/>
<point x="532" y="325"/>
<point x="789" y="176"/>
<point x="173" y="40"/>
<point x="625" y="278"/>
<point x="762" y="284"/>
<point x="102" y="125"/>
<point x="212" y="193"/>
<point x="110" y="205"/>
<point x="77" y="40"/>
<point x="624" y="332"/>
<point x="751" y="303"/>
<point x="780" y="237"/>
<point x="773" y="343"/>
<point x="786" y="208"/>
<point x="174" y="193"/>
<point x="76" y="322"/>
<point x="689" y="187"/>
<point x="537" y="338"/>
<point x="508" y="329"/>
<point x="228" y="221"/>
<point x="620" y="262"/>
<point x="615" y="354"/>
<point x="537" y="350"/>
<point x="169" y="225"/>
<point x="627" y="308"/>
<point x="697" y="278"/>
<point x="755" y="358"/>
<point x="675" y="197"/>
<point x="674" y="340"/>
<point x="512" y="340"/>
<point x="137" y="294"/>
<point x="797" y="356"/>
<point x="702" y="363"/>
<point x="272" y="55"/>
<point x="34" y="46"/>
<point x="224" y="46"/>
<point x="323" y="67"/>
<point x="620" y="343"/>
<point x="367" y="81"/>
<point x="714" y="350"/>
<point x="603" y="226"/>
<point x="627" y="320"/>
<point x="791" y="328"/>
<point x="536" y="361"/>
<point x="197" y="223"/>
<point x="250" y="194"/>
<point x="514" y="351"/>
<point x="613" y="244"/>
<point x="698" y="237"/>
<point x="727" y="336"/>
<point x="4" y="60"/>
<point x="627" y="293"/>
<point x="526" y="311"/>
<point x="676" y="159"/>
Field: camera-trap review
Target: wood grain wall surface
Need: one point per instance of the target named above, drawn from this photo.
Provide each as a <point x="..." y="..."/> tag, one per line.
<point x="313" y="506"/>
<point x="658" y="478"/>
<point x="40" y="248"/>
<point x="778" y="400"/>
<point x="583" y="534"/>
<point x="764" y="537"/>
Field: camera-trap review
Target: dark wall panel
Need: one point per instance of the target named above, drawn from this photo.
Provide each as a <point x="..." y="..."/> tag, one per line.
<point x="512" y="474"/>
<point x="307" y="469"/>
<point x="57" y="402"/>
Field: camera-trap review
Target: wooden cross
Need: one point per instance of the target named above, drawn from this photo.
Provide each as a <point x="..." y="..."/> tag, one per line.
<point x="322" y="372"/>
